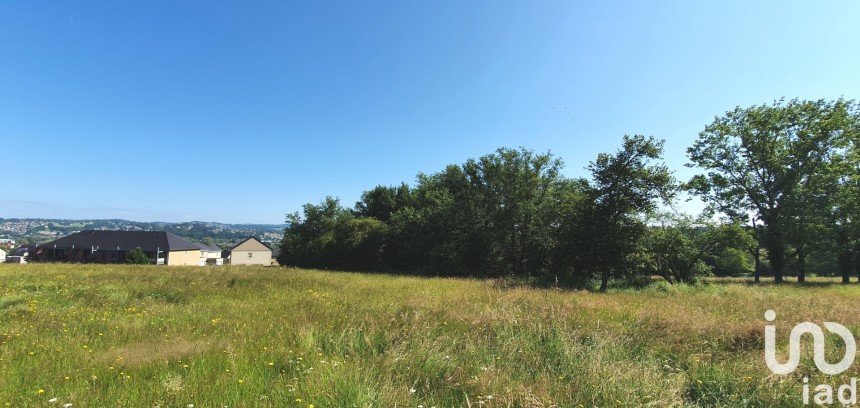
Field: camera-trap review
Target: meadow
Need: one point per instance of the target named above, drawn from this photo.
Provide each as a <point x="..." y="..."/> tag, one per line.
<point x="146" y="336"/>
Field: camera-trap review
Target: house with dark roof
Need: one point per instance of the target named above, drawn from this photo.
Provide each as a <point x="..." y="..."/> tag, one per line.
<point x="250" y="251"/>
<point x="99" y="246"/>
<point x="19" y="255"/>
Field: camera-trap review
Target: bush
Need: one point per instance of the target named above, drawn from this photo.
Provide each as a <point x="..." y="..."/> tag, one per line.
<point x="137" y="256"/>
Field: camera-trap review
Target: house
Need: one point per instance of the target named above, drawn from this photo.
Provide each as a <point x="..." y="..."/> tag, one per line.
<point x="98" y="246"/>
<point x="2" y="256"/>
<point x="251" y="251"/>
<point x="210" y="255"/>
<point x="19" y="255"/>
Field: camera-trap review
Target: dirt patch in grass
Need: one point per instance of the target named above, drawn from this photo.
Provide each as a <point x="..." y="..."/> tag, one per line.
<point x="142" y="353"/>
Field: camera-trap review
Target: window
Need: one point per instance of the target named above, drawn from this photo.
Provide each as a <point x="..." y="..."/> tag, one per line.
<point x="250" y="255"/>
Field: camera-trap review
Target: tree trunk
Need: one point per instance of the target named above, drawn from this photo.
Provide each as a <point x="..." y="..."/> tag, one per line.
<point x="845" y="262"/>
<point x="801" y="264"/>
<point x="604" y="280"/>
<point x="775" y="250"/>
<point x="757" y="257"/>
<point x="756" y="253"/>
<point x="857" y="259"/>
<point x="844" y="256"/>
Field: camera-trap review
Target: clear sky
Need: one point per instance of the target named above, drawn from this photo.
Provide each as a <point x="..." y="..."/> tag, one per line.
<point x="242" y="111"/>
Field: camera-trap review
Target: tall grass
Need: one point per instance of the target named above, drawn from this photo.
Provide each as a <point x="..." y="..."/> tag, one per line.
<point x="138" y="336"/>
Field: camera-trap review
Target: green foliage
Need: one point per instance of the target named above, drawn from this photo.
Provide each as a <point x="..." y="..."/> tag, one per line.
<point x="137" y="256"/>
<point x="785" y="175"/>
<point x="494" y="216"/>
<point x="771" y="161"/>
<point x="681" y="248"/>
<point x="731" y="262"/>
<point x="604" y="232"/>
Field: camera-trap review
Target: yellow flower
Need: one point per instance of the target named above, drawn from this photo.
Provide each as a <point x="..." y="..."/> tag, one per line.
<point x="241" y="381"/>
<point x="41" y="391"/>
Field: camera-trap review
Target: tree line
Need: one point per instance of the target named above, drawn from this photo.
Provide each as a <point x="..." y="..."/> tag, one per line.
<point x="781" y="182"/>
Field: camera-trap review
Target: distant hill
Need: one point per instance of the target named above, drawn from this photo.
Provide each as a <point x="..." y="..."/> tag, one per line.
<point x="39" y="230"/>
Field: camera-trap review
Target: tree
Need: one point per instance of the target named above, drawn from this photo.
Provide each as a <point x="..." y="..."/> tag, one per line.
<point x="517" y="201"/>
<point x="137" y="256"/>
<point x="382" y="201"/>
<point x="625" y="186"/>
<point x="761" y="161"/>
<point x="680" y="248"/>
<point x="309" y="239"/>
<point x="844" y="193"/>
<point x="491" y="216"/>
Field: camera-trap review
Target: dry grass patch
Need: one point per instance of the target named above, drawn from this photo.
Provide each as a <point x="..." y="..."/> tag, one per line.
<point x="142" y="353"/>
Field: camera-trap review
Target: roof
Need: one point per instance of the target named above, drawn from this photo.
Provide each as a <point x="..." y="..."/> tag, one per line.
<point x="210" y="248"/>
<point x="125" y="240"/>
<point x="22" y="250"/>
<point x="248" y="239"/>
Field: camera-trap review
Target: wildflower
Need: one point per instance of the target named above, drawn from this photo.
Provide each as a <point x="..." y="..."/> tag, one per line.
<point x="69" y="405"/>
<point x="241" y="381"/>
<point x="412" y="390"/>
<point x="52" y="400"/>
<point x="41" y="391"/>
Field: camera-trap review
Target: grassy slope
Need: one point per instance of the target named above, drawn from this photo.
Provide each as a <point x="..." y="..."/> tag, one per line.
<point x="145" y="336"/>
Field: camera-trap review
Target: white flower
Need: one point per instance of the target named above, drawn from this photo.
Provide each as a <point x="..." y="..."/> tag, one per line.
<point x="69" y="405"/>
<point x="412" y="390"/>
<point x="52" y="400"/>
<point x="190" y="405"/>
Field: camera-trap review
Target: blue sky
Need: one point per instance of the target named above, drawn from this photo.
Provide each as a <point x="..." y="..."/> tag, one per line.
<point x="243" y="111"/>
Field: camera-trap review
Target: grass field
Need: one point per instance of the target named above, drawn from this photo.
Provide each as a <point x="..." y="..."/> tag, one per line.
<point x="143" y="336"/>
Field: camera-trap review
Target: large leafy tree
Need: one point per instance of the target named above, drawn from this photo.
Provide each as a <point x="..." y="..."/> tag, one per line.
<point x="517" y="194"/>
<point x="309" y="239"/>
<point x="382" y="201"/>
<point x="761" y="161"/>
<point x="625" y="185"/>
<point x="845" y="198"/>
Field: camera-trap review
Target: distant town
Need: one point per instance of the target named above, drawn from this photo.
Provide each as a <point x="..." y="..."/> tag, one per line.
<point x="24" y="231"/>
